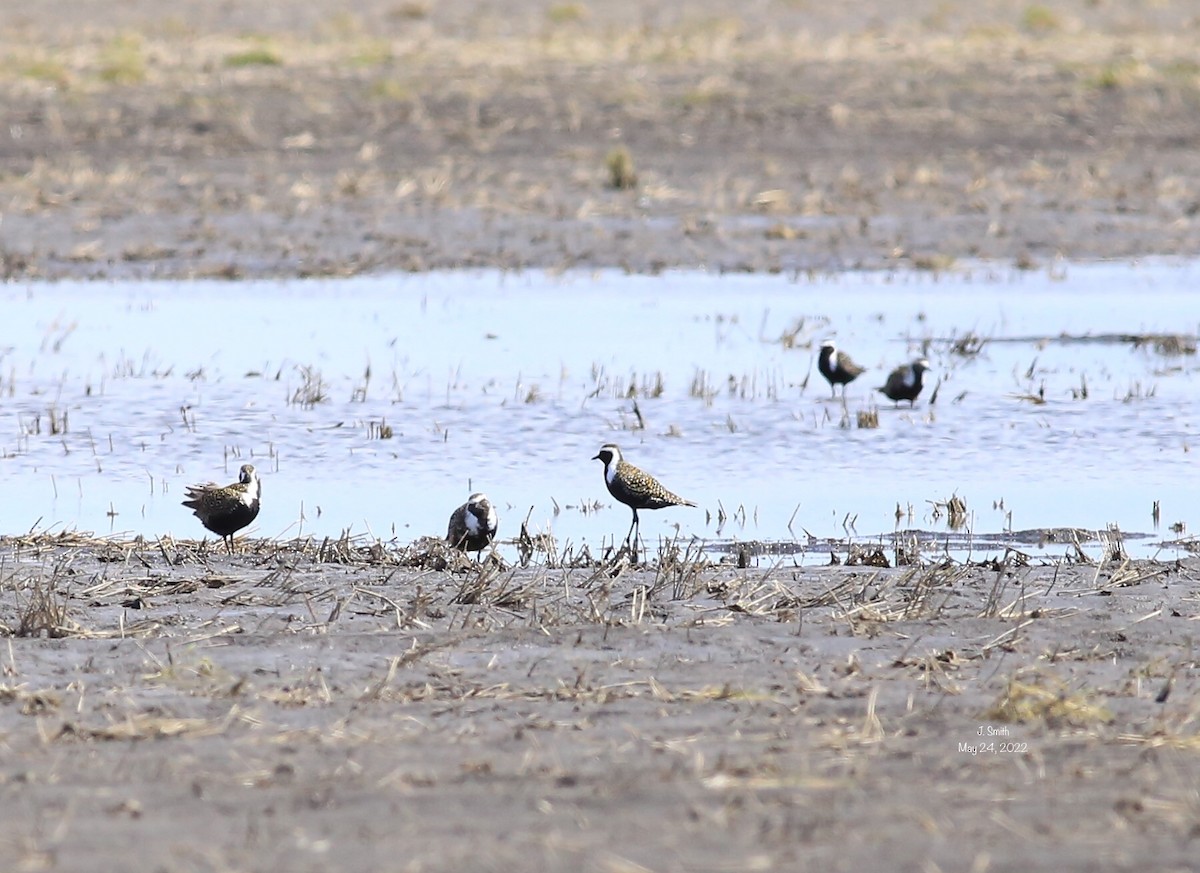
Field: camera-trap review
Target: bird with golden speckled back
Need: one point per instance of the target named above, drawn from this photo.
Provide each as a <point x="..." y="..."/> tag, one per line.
<point x="226" y="509"/>
<point x="634" y="487"/>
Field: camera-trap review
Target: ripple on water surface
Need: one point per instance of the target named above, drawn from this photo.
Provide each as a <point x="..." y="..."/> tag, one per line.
<point x="378" y="404"/>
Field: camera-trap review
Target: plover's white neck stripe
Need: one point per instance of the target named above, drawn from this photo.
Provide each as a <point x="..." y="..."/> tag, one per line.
<point x="910" y="376"/>
<point x="251" y="493"/>
<point x="610" y="473"/>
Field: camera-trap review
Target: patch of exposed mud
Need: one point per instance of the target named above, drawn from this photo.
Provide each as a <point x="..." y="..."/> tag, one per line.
<point x="319" y="698"/>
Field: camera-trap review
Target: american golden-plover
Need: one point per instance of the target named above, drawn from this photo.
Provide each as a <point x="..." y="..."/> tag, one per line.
<point x="838" y="368"/>
<point x="225" y="510"/>
<point x="904" y="382"/>
<point x="633" y="487"/>
<point x="473" y="525"/>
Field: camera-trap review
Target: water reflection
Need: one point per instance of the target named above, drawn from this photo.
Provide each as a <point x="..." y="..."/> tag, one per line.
<point x="378" y="404"/>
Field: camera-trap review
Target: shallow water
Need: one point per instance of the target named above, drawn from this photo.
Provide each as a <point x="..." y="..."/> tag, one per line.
<point x="510" y="383"/>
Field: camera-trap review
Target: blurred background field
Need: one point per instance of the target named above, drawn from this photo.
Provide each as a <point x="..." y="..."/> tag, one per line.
<point x="232" y="139"/>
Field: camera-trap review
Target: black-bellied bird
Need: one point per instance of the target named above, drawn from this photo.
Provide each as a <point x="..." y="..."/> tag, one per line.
<point x="633" y="487"/>
<point x="838" y="368"/>
<point x="473" y="525"/>
<point x="904" y="382"/>
<point x="226" y="509"/>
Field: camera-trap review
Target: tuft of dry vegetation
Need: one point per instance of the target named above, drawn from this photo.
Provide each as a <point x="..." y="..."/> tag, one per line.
<point x="258" y="56"/>
<point x="41" y="611"/>
<point x="311" y="390"/>
<point x="619" y="164"/>
<point x="1037" y="697"/>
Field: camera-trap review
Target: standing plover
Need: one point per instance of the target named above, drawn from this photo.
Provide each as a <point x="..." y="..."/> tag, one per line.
<point x="633" y="487"/>
<point x="473" y="525"/>
<point x="837" y="367"/>
<point x="904" y="382"/>
<point x="226" y="510"/>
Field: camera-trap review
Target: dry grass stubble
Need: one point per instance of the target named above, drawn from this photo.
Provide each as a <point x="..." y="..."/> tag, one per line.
<point x="690" y="691"/>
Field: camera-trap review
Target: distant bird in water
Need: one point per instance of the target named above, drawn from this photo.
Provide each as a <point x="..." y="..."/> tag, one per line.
<point x="838" y="368"/>
<point x="473" y="525"/>
<point x="904" y="382"/>
<point x="633" y="487"/>
<point x="226" y="510"/>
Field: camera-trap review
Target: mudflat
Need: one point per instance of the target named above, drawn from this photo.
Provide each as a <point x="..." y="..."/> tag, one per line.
<point x="304" y="706"/>
<point x="309" y="705"/>
<point x="228" y="139"/>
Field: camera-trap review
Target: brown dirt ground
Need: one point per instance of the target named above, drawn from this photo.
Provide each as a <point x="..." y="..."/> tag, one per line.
<point x="293" y="138"/>
<point x="171" y="709"/>
<point x="303" y="706"/>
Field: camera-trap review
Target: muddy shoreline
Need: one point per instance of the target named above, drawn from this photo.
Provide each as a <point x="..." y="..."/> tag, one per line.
<point x="294" y="703"/>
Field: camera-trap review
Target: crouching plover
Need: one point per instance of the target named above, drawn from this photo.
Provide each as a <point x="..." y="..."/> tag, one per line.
<point x="473" y="525"/>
